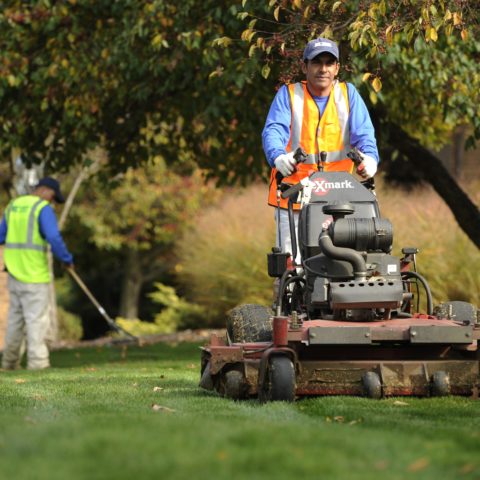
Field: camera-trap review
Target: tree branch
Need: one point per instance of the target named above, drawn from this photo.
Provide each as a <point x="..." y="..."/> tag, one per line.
<point x="465" y="211"/>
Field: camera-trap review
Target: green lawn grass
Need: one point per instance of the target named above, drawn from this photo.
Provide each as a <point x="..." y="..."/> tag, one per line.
<point x="91" y="417"/>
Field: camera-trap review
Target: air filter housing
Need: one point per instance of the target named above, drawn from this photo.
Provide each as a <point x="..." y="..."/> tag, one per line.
<point x="362" y="234"/>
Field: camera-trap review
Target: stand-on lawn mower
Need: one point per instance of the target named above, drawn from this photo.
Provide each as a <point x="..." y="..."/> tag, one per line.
<point x="346" y="320"/>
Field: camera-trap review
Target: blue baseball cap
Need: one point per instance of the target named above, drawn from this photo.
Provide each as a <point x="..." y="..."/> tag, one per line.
<point x="52" y="184"/>
<point x="318" y="46"/>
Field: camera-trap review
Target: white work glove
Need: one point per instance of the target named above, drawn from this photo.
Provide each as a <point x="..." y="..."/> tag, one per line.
<point x="285" y="164"/>
<point x="368" y="167"/>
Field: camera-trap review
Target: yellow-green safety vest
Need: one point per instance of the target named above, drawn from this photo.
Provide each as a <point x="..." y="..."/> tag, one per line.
<point x="25" y="252"/>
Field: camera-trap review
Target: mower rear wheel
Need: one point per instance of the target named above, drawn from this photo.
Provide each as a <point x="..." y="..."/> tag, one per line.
<point x="249" y="323"/>
<point x="372" y="385"/>
<point x="280" y="380"/>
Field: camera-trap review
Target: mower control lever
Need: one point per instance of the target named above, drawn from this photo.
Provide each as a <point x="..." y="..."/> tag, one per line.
<point x="354" y="155"/>
<point x="293" y="190"/>
<point x="300" y="156"/>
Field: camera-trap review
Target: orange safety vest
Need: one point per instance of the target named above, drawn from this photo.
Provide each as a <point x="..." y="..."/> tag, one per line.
<point x="330" y="134"/>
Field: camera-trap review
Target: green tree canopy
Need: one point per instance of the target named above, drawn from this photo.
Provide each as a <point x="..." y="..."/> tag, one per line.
<point x="130" y="76"/>
<point x="192" y="81"/>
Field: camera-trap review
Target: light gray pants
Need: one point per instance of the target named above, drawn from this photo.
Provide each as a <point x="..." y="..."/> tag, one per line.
<point x="28" y="315"/>
<point x="283" y="238"/>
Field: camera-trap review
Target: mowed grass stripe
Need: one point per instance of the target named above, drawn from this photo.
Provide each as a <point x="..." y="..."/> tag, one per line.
<point x="91" y="417"/>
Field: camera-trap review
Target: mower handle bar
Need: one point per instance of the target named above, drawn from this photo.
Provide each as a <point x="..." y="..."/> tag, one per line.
<point x="354" y="155"/>
<point x="293" y="190"/>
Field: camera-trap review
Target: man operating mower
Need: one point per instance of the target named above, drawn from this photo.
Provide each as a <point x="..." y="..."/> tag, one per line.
<point x="320" y="114"/>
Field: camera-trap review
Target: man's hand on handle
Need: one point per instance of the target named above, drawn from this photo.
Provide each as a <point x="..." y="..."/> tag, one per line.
<point x="285" y="163"/>
<point x="368" y="166"/>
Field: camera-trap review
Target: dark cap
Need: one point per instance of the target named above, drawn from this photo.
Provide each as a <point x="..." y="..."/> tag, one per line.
<point x="318" y="46"/>
<point x="52" y="184"/>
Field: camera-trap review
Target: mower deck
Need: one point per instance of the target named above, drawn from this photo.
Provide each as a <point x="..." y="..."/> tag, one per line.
<point x="420" y="356"/>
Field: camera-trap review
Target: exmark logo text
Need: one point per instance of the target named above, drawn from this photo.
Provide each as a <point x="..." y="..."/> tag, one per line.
<point x="322" y="187"/>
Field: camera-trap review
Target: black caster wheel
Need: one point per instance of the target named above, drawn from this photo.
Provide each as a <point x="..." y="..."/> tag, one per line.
<point x="372" y="385"/>
<point x="440" y="386"/>
<point x="234" y="387"/>
<point x="280" y="380"/>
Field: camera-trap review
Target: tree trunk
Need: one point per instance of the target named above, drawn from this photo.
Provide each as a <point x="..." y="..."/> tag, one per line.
<point x="458" y="151"/>
<point x="131" y="286"/>
<point x="465" y="211"/>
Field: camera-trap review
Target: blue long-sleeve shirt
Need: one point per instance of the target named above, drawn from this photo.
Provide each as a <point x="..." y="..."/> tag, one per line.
<point x="276" y="133"/>
<point x="47" y="223"/>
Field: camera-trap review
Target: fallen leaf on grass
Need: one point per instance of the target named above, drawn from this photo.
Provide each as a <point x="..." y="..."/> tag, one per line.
<point x="341" y="419"/>
<point x="400" y="403"/>
<point x="354" y="422"/>
<point x="20" y="380"/>
<point x="91" y="369"/>
<point x="467" y="468"/>
<point x="222" y="455"/>
<point x="157" y="389"/>
<point x="161" y="408"/>
<point x="192" y="365"/>
<point x="135" y="384"/>
<point x="381" y="465"/>
<point x="419" y="464"/>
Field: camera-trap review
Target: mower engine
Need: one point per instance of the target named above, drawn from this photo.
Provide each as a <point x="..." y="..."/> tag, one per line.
<point x="354" y="277"/>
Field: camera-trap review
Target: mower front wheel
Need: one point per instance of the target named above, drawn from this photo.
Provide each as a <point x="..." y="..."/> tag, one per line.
<point x="280" y="380"/>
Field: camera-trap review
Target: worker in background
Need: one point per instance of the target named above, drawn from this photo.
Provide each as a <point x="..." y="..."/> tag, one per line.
<point x="319" y="114"/>
<point x="28" y="226"/>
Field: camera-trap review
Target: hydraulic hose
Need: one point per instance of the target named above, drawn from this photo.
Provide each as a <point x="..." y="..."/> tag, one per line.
<point x="341" y="253"/>
<point x="284" y="285"/>
<point x="296" y="278"/>
<point x="293" y="233"/>
<point x="423" y="281"/>
<point x="284" y="281"/>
